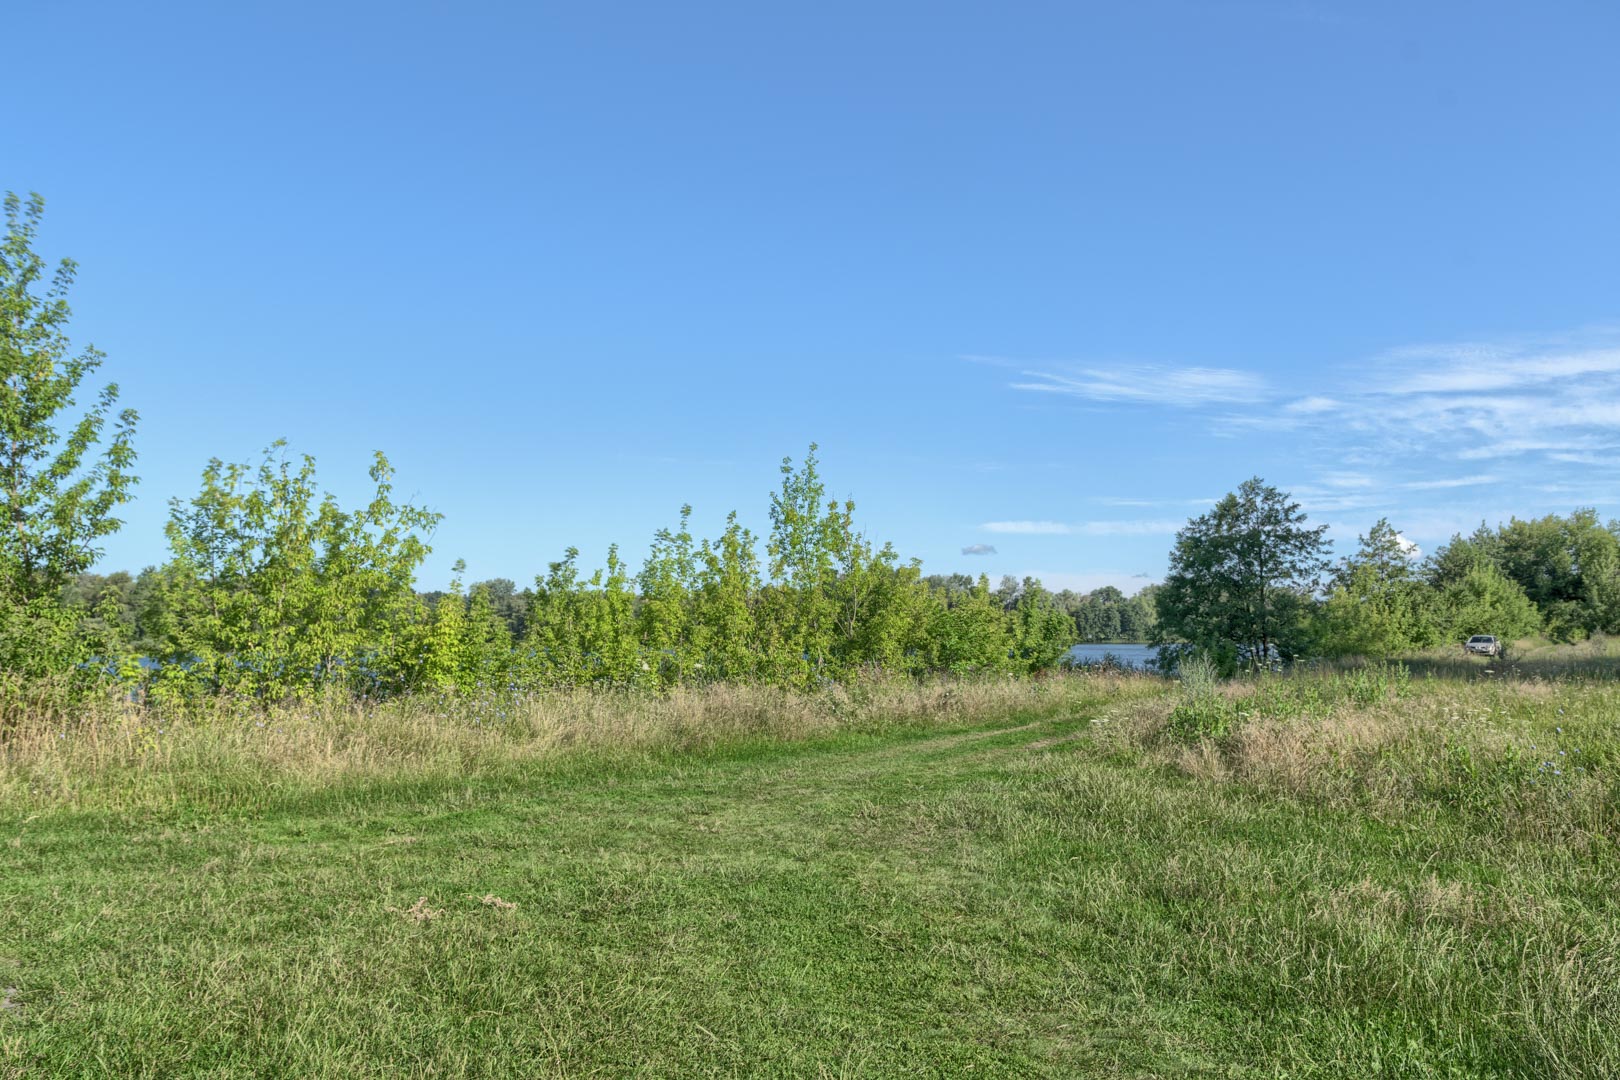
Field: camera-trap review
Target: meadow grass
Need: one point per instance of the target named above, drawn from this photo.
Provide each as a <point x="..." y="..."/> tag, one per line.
<point x="1371" y="870"/>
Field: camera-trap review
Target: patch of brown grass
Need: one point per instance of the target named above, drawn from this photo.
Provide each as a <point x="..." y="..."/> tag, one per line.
<point x="419" y="912"/>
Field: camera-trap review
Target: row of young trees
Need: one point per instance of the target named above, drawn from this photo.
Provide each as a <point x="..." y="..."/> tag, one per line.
<point x="1252" y="579"/>
<point x="273" y="589"/>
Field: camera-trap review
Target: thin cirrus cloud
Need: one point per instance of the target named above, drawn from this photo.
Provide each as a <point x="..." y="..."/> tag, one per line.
<point x="1500" y="401"/>
<point x="979" y="549"/>
<point x="1314" y="405"/>
<point x="1484" y="368"/>
<point x="1186" y="387"/>
<point x="1453" y="482"/>
<point x="1421" y="434"/>
<point x="1082" y="528"/>
<point x="1116" y="500"/>
<point x="1342" y="480"/>
<point x="1558" y="399"/>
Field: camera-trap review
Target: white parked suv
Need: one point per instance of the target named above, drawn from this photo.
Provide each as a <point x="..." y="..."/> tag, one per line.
<point x="1483" y="645"/>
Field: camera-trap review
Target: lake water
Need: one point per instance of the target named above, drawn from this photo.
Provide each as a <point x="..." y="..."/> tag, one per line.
<point x="1126" y="655"/>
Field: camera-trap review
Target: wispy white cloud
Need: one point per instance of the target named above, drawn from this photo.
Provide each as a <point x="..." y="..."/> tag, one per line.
<point x="979" y="549"/>
<point x="1313" y="405"/>
<point x="1110" y="500"/>
<point x="1162" y="527"/>
<point x="1421" y="434"/>
<point x="1180" y="387"/>
<point x="1430" y="403"/>
<point x="1519" y="446"/>
<point x="1083" y="528"/>
<point x="1450" y="482"/>
<point x="1586" y="458"/>
<point x="1484" y="367"/>
<point x="1316" y="500"/>
<point x="1433" y="406"/>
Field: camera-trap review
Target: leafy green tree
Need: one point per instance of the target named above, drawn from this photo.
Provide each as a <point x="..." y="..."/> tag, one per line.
<point x="1541" y="556"/>
<point x="59" y="486"/>
<point x="1453" y="560"/>
<point x="1598" y="553"/>
<point x="1097" y="616"/>
<point x="557" y="651"/>
<point x="505" y="601"/>
<point x="800" y="613"/>
<point x="1138" y="615"/>
<point x="1107" y="614"/>
<point x="113" y="594"/>
<point x="443" y="663"/>
<point x="1567" y="566"/>
<point x="949" y="586"/>
<point x="1041" y="631"/>
<point x="275" y="592"/>
<point x="1486" y="601"/>
<point x="488" y="657"/>
<point x="1378" y="605"/>
<point x="468" y="645"/>
<point x="882" y="610"/>
<point x="878" y="605"/>
<point x="968" y="632"/>
<point x="1243" y="574"/>
<point x="583" y="629"/>
<point x="667" y="581"/>
<point x="725" y="628"/>
<point x="612" y="635"/>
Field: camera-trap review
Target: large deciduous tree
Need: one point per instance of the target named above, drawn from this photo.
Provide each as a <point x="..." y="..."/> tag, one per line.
<point x="1243" y="574"/>
<point x="60" y="484"/>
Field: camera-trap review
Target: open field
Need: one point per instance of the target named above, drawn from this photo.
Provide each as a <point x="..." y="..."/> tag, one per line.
<point x="1358" y="872"/>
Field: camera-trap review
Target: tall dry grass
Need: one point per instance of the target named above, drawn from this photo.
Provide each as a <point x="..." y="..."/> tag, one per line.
<point x="224" y="752"/>
<point x="1538" y="757"/>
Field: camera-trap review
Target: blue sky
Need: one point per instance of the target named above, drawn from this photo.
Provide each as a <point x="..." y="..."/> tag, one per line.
<point x="1039" y="278"/>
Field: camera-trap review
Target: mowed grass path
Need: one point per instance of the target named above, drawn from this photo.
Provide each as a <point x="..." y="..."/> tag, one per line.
<point x="1012" y="900"/>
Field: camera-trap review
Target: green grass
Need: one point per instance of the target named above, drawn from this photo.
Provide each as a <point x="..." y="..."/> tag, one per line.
<point x="1349" y="882"/>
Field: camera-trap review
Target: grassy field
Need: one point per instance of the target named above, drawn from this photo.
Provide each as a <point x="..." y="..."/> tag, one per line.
<point x="1365" y="872"/>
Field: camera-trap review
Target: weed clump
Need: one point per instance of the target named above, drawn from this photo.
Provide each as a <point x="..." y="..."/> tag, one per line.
<point x="1203" y="712"/>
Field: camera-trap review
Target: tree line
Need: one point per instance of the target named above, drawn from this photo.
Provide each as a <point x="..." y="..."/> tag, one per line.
<point x="1251" y="581"/>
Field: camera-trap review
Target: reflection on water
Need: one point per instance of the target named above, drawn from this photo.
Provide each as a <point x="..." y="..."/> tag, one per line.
<point x="1137" y="656"/>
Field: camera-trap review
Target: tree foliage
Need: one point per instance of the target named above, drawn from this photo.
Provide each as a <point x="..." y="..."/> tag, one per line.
<point x="274" y="590"/>
<point x="1107" y="614"/>
<point x="1378" y="605"/>
<point x="60" y="482"/>
<point x="1243" y="575"/>
<point x="1486" y="601"/>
